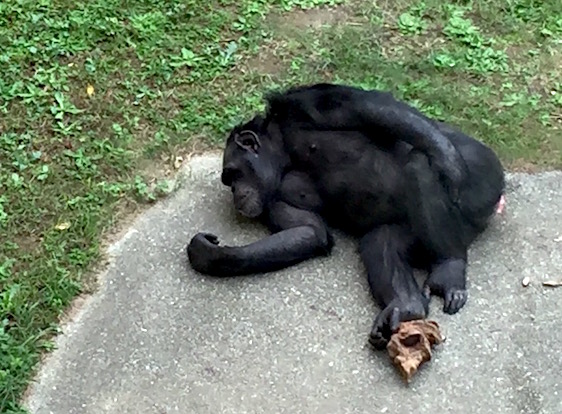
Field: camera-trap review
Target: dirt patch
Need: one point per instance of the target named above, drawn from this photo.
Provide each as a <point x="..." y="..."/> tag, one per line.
<point x="547" y="68"/>
<point x="551" y="64"/>
<point x="28" y="242"/>
<point x="310" y="19"/>
<point x="523" y="166"/>
<point x="314" y="18"/>
<point x="272" y="58"/>
<point x="267" y="61"/>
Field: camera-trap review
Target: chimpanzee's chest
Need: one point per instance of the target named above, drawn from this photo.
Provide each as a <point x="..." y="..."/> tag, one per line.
<point x="358" y="184"/>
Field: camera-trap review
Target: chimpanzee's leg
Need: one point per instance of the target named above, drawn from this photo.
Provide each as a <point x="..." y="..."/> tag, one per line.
<point x="384" y="253"/>
<point x="440" y="227"/>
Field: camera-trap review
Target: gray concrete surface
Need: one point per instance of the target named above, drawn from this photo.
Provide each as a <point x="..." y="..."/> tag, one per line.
<point x="158" y="338"/>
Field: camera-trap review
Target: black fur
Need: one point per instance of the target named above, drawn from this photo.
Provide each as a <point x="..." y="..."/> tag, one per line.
<point x="415" y="191"/>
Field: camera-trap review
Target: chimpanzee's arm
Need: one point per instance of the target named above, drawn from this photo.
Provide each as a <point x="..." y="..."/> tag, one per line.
<point x="378" y="114"/>
<point x="338" y="107"/>
<point x="298" y="235"/>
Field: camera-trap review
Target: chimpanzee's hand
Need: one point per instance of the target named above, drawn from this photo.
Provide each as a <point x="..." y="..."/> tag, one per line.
<point x="203" y="251"/>
<point x="399" y="310"/>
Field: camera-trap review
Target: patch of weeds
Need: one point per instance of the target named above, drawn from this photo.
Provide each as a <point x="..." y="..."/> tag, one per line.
<point x="446" y="59"/>
<point x="412" y="21"/>
<point x="552" y="28"/>
<point x="555" y="93"/>
<point x="531" y="19"/>
<point x="478" y="61"/>
<point x="150" y="193"/>
<point x="463" y="30"/>
<point x="486" y="60"/>
<point x="473" y="52"/>
<point x="3" y="214"/>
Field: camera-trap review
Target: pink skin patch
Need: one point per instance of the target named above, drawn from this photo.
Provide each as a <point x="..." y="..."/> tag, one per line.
<point x="500" y="207"/>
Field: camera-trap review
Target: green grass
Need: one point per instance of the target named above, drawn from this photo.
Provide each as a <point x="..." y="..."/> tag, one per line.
<point x="99" y="98"/>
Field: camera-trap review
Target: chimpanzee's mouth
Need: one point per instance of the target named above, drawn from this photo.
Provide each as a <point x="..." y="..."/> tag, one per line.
<point x="248" y="207"/>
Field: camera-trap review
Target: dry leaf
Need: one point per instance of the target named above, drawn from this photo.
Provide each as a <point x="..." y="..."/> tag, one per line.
<point x="62" y="226"/>
<point x="552" y="283"/>
<point x="90" y="90"/>
<point x="410" y="346"/>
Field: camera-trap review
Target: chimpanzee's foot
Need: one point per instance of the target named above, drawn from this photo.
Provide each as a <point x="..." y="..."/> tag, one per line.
<point x="388" y="320"/>
<point x="448" y="280"/>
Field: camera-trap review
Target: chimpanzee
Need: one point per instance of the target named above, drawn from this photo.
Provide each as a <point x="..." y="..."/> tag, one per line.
<point x="415" y="191"/>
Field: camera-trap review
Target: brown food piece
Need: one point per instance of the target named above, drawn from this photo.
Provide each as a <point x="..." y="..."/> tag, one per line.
<point x="410" y="346"/>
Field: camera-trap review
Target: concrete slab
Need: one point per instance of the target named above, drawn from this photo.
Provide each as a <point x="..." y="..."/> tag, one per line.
<point x="158" y="338"/>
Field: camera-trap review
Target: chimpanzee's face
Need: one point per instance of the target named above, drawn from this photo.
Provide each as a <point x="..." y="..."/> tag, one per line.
<point x="249" y="169"/>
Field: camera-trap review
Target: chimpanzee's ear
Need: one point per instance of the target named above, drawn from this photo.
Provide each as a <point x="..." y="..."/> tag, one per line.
<point x="248" y="140"/>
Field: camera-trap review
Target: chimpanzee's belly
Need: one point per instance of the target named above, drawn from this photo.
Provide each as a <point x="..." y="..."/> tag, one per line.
<point x="358" y="198"/>
<point x="358" y="212"/>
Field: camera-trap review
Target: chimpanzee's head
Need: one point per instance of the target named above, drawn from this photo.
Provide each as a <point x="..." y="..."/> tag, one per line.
<point x="253" y="163"/>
